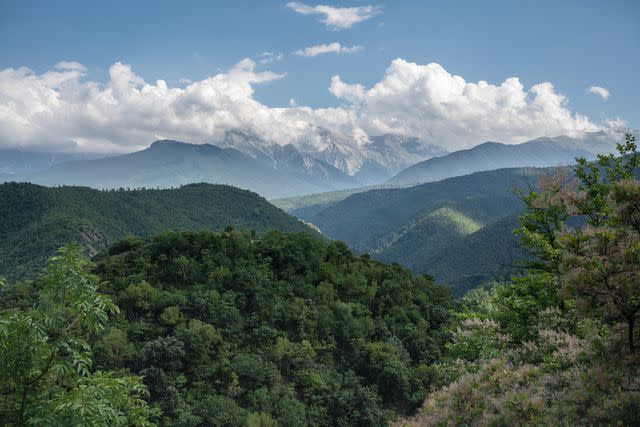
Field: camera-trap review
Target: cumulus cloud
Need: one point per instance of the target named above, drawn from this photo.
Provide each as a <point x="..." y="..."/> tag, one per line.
<point x="428" y="101"/>
<point x="320" y="49"/>
<point x="600" y="91"/>
<point x="336" y="18"/>
<point x="60" y="109"/>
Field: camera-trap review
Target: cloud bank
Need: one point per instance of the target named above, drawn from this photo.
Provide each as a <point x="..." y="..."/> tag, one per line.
<point x="320" y="49"/>
<point x="600" y="91"/>
<point x="59" y="109"/>
<point x="336" y="18"/>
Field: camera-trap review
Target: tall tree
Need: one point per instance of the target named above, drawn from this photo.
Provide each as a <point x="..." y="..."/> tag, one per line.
<point x="601" y="262"/>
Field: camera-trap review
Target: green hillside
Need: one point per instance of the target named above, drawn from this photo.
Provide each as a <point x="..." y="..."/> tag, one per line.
<point x="426" y="236"/>
<point x="37" y="220"/>
<point x="491" y="253"/>
<point x="364" y="218"/>
<point x="434" y="228"/>
<point x="458" y="229"/>
<point x="291" y="204"/>
<point x="225" y="325"/>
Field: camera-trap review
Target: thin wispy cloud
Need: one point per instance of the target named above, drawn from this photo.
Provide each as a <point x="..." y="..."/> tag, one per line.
<point x="600" y="91"/>
<point x="71" y="66"/>
<point x="320" y="49"/>
<point x="336" y="18"/>
<point x="269" y="57"/>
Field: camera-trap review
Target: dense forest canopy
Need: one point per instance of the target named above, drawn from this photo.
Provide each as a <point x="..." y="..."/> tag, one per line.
<point x="227" y="327"/>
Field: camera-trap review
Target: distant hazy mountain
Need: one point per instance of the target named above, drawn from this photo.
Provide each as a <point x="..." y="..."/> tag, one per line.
<point x="389" y="154"/>
<point x="244" y="160"/>
<point x="541" y="152"/>
<point x="322" y="162"/>
<point x="37" y="220"/>
<point x="171" y="164"/>
<point x="18" y="163"/>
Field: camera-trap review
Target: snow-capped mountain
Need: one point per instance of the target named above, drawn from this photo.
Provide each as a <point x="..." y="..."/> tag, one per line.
<point x="288" y="159"/>
<point x="324" y="154"/>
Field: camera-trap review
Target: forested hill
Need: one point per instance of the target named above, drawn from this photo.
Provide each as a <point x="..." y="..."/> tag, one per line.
<point x="287" y="327"/>
<point x="37" y="220"/>
<point x="458" y="229"/>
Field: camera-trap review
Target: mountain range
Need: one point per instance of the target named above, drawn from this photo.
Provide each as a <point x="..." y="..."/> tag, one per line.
<point x="540" y="152"/>
<point x="242" y="159"/>
<point x="337" y="156"/>
<point x="424" y="227"/>
<point x="320" y="162"/>
<point x="168" y="164"/>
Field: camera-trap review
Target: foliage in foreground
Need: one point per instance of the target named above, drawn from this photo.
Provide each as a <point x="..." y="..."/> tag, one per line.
<point x="224" y="329"/>
<point x="555" y="346"/>
<point x="47" y="375"/>
<point x="219" y="329"/>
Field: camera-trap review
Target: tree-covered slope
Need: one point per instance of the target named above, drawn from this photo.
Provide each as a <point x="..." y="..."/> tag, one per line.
<point x="491" y="253"/>
<point x="363" y="219"/>
<point x="426" y="236"/>
<point x="458" y="229"/>
<point x="287" y="327"/>
<point x="557" y="344"/>
<point x="37" y="220"/>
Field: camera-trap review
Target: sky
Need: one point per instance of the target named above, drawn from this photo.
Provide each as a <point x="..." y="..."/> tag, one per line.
<point x="113" y="76"/>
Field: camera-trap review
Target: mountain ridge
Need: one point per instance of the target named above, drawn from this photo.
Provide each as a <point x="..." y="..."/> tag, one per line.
<point x="539" y="152"/>
<point x="426" y="227"/>
<point x="37" y="220"/>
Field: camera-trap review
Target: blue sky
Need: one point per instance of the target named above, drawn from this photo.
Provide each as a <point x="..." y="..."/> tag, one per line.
<point x="571" y="44"/>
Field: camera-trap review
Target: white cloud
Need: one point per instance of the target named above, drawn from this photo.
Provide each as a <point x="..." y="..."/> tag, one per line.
<point x="336" y="18"/>
<point x="428" y="101"/>
<point x="71" y="66"/>
<point x="269" y="57"/>
<point x="292" y="102"/>
<point x="319" y="49"/>
<point x="59" y="109"/>
<point x="184" y="80"/>
<point x="600" y="91"/>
